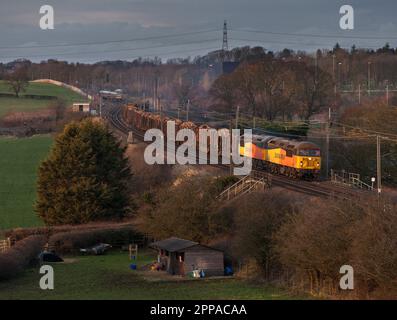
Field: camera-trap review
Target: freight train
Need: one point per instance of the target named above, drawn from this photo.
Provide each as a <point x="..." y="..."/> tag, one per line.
<point x="292" y="158"/>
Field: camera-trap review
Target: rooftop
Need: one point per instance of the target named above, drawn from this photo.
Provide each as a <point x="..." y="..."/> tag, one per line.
<point x="173" y="244"/>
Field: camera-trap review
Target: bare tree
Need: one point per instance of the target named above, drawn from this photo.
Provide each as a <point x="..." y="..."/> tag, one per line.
<point x="275" y="89"/>
<point x="183" y="92"/>
<point x="223" y="91"/>
<point x="18" y="81"/>
<point x="314" y="89"/>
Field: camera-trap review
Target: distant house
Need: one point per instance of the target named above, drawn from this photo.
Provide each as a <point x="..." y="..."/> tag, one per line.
<point x="180" y="257"/>
<point x="82" y="107"/>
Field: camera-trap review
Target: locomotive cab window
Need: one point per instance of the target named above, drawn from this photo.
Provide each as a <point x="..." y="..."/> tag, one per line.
<point x="309" y="152"/>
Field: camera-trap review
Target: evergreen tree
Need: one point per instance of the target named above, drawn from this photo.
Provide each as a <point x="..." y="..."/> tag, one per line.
<point x="85" y="177"/>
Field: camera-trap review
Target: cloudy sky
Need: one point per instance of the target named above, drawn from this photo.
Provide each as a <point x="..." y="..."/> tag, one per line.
<point x="95" y="30"/>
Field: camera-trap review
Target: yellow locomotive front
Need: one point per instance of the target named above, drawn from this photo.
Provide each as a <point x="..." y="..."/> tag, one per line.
<point x="308" y="159"/>
<point x="298" y="159"/>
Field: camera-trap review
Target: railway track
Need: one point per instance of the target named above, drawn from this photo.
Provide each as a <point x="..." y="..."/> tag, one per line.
<point x="319" y="189"/>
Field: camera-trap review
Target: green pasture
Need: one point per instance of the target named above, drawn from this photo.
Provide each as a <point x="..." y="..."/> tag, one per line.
<point x="19" y="160"/>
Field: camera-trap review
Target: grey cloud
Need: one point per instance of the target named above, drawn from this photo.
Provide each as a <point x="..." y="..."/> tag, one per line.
<point x="99" y="20"/>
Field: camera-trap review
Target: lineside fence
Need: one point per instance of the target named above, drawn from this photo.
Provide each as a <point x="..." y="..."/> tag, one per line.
<point x="5" y="245"/>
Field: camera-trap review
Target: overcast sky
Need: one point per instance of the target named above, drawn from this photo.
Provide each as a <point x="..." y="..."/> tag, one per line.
<point x="157" y="27"/>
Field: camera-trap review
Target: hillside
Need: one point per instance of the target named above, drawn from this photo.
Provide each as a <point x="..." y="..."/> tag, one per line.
<point x="28" y="103"/>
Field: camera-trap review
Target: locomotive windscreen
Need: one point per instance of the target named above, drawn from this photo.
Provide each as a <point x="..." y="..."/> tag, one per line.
<point x="309" y="152"/>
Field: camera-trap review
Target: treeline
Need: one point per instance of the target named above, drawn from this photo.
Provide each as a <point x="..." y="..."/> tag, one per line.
<point x="344" y="68"/>
<point x="139" y="78"/>
<point x="293" y="241"/>
<point x="274" y="88"/>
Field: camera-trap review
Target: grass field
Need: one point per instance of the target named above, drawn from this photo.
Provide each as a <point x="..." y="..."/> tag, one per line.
<point x="109" y="277"/>
<point x="19" y="159"/>
<point x="10" y="104"/>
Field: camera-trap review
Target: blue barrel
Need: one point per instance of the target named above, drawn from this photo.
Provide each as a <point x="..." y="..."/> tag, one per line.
<point x="228" y="271"/>
<point x="133" y="266"/>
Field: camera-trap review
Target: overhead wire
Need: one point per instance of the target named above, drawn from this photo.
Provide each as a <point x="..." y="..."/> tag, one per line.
<point x="109" y="41"/>
<point x="314" y="35"/>
<point x="114" y="51"/>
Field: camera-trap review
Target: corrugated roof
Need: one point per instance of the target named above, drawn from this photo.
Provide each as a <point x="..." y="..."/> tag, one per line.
<point x="173" y="244"/>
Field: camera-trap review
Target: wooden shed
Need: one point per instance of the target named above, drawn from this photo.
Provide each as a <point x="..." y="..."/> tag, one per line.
<point x="82" y="107"/>
<point x="180" y="257"/>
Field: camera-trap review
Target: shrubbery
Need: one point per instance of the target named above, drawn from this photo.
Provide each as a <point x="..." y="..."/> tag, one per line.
<point x="314" y="243"/>
<point x="66" y="242"/>
<point x="20" y="256"/>
<point x="187" y="210"/>
<point x="18" y="234"/>
<point x="257" y="218"/>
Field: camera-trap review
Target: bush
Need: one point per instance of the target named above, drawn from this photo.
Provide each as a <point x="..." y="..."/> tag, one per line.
<point x="66" y="242"/>
<point x="257" y="219"/>
<point x="327" y="234"/>
<point x="20" y="256"/>
<point x="315" y="243"/>
<point x="222" y="183"/>
<point x="187" y="210"/>
<point x="18" y="234"/>
<point x="374" y="250"/>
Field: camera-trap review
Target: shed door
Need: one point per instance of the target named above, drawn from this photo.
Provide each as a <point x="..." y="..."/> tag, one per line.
<point x="181" y="263"/>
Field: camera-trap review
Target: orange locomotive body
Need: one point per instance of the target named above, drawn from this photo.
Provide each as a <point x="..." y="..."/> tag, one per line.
<point x="296" y="159"/>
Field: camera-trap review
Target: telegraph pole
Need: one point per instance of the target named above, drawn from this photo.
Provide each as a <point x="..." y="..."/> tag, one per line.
<point x="154" y="102"/>
<point x="369" y="78"/>
<point x="231" y="149"/>
<point x="187" y="110"/>
<point x="387" y="94"/>
<point x="333" y="72"/>
<point x="316" y="67"/>
<point x="378" y="164"/>
<point x="237" y="115"/>
<point x="327" y="142"/>
<point x="100" y="105"/>
<point x="155" y="91"/>
<point x="359" y="94"/>
<point x="161" y="114"/>
<point x="225" y="44"/>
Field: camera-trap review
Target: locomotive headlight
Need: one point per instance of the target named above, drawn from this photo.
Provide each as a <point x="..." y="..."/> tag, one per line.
<point x="317" y="164"/>
<point x="301" y="163"/>
<point x="310" y="159"/>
